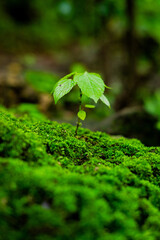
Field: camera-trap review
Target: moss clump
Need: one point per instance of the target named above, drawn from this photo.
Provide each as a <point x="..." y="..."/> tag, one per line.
<point x="16" y="143"/>
<point x="56" y="186"/>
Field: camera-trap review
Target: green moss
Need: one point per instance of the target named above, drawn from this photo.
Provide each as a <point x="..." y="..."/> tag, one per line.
<point x="56" y="186"/>
<point x="33" y="140"/>
<point x="16" y="143"/>
<point x="61" y="204"/>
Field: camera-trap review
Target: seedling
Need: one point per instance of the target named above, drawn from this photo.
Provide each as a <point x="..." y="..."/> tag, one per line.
<point x="90" y="84"/>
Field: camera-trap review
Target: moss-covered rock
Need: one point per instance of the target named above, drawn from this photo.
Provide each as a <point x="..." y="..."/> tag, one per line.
<point x="57" y="186"/>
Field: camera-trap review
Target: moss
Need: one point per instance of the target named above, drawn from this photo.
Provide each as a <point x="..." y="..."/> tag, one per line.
<point x="56" y="186"/>
<point x="61" y="204"/>
<point x="16" y="143"/>
<point x="34" y="140"/>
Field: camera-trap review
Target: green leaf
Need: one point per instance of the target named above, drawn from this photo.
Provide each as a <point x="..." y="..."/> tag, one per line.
<point x="105" y="100"/>
<point x="89" y="106"/>
<point x="91" y="84"/>
<point x="63" y="87"/>
<point x="82" y="114"/>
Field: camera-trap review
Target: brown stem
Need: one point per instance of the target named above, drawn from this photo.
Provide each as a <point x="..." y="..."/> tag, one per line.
<point x="80" y="107"/>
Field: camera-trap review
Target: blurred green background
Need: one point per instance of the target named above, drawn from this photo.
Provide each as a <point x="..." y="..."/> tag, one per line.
<point x="41" y="41"/>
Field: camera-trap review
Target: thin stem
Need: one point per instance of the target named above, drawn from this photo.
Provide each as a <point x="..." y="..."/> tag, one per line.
<point x="80" y="107"/>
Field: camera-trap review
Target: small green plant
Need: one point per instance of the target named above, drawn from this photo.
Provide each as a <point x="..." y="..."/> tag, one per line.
<point x="90" y="84"/>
